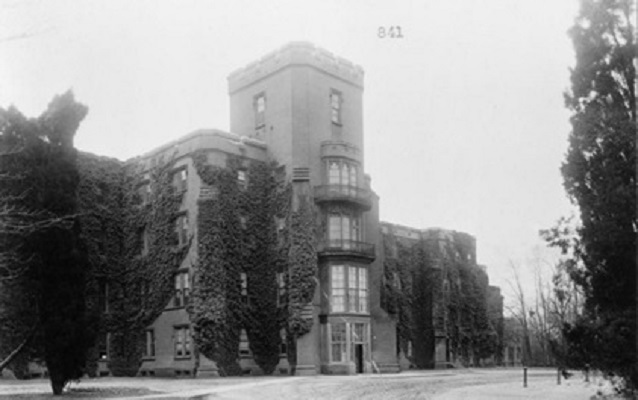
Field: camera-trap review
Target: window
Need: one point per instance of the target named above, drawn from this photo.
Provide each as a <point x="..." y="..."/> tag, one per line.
<point x="342" y="173"/>
<point x="349" y="289"/>
<point x="358" y="335"/>
<point x="180" y="180"/>
<point x="260" y="114"/>
<point x="183" y="342"/>
<point x="103" y="296"/>
<point x="149" y="350"/>
<point x="244" y="347"/>
<point x="353" y="305"/>
<point x="343" y="230"/>
<point x="396" y="280"/>
<point x="182" y="289"/>
<point x="338" y="289"/>
<point x="335" y="107"/>
<point x="242" y="179"/>
<point x="144" y="191"/>
<point x="144" y="239"/>
<point x="244" y="287"/>
<point x="283" y="348"/>
<point x="181" y="229"/>
<point x="281" y="289"/>
<point x="362" y="299"/>
<point x="338" y="342"/>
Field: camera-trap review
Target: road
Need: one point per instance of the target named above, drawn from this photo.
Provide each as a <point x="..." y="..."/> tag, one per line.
<point x="435" y="385"/>
<point x="456" y="384"/>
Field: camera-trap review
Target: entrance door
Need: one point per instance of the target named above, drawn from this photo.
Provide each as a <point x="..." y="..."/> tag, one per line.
<point x="358" y="357"/>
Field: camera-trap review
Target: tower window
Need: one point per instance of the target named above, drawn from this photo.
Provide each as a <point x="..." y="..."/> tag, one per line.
<point x="342" y="173"/>
<point x="259" y="104"/>
<point x="335" y="107"/>
<point x="344" y="230"/>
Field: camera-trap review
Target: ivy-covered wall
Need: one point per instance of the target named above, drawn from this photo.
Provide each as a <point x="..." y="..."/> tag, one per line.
<point x="245" y="230"/>
<point x="435" y="289"/>
<point x="249" y="237"/>
<point x="132" y="250"/>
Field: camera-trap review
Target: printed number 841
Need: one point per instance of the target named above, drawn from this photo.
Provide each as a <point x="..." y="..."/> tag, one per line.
<point x="391" y="32"/>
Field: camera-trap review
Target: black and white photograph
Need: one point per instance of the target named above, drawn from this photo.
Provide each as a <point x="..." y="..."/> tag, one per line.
<point x="318" y="199"/>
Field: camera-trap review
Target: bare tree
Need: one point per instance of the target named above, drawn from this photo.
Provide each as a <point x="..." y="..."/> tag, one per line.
<point x="520" y="311"/>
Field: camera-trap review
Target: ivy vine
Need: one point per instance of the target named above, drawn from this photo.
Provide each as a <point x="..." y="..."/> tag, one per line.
<point x="114" y="223"/>
<point x="429" y="288"/>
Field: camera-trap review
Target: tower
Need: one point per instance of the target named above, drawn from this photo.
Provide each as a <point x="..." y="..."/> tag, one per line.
<point x="307" y="106"/>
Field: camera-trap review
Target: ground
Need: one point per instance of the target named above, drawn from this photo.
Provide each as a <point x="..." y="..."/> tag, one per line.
<point x="427" y="385"/>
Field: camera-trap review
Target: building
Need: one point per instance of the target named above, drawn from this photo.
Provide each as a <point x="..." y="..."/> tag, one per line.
<point x="440" y="297"/>
<point x="176" y="300"/>
<point x="300" y="106"/>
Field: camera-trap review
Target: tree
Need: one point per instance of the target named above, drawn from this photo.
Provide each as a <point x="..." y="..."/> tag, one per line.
<point x="599" y="177"/>
<point x="520" y="311"/>
<point x="48" y="259"/>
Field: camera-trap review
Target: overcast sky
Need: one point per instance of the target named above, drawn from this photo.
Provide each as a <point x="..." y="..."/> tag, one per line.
<point x="465" y="126"/>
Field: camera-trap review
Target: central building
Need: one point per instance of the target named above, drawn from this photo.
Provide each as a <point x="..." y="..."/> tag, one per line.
<point x="380" y="290"/>
<point x="306" y="105"/>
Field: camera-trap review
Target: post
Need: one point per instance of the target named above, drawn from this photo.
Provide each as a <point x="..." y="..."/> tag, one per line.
<point x="524" y="377"/>
<point x="558" y="376"/>
<point x="586" y="372"/>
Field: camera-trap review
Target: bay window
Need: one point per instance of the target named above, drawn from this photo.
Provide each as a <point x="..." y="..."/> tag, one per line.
<point x="348" y="289"/>
<point x="342" y="173"/>
<point x="343" y="230"/>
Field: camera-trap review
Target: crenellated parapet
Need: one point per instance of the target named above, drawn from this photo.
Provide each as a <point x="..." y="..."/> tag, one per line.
<point x="296" y="53"/>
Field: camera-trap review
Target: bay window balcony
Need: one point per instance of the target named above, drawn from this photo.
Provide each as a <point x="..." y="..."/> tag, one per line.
<point x="344" y="193"/>
<point x="346" y="247"/>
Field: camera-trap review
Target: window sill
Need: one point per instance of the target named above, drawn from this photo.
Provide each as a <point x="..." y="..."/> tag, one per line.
<point x="182" y="358"/>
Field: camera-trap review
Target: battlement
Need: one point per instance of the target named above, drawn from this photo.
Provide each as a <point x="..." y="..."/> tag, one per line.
<point x="296" y="53"/>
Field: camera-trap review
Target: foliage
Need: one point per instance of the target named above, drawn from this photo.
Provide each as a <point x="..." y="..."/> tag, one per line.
<point x="599" y="177"/>
<point x="302" y="273"/>
<point x="432" y="289"/>
<point x="250" y="230"/>
<point x="216" y="309"/>
<point x="139" y="275"/>
<point x="42" y="159"/>
<point x="265" y="200"/>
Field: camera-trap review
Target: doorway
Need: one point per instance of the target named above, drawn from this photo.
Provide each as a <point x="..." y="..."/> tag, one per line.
<point x="358" y="357"/>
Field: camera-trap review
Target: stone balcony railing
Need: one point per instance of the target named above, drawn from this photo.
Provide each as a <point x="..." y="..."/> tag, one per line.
<point x="346" y="247"/>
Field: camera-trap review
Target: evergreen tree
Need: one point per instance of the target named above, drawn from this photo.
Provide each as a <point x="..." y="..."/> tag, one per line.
<point x="39" y="153"/>
<point x="599" y="177"/>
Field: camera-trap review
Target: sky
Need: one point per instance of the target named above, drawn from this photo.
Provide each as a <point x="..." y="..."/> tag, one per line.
<point x="464" y="122"/>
